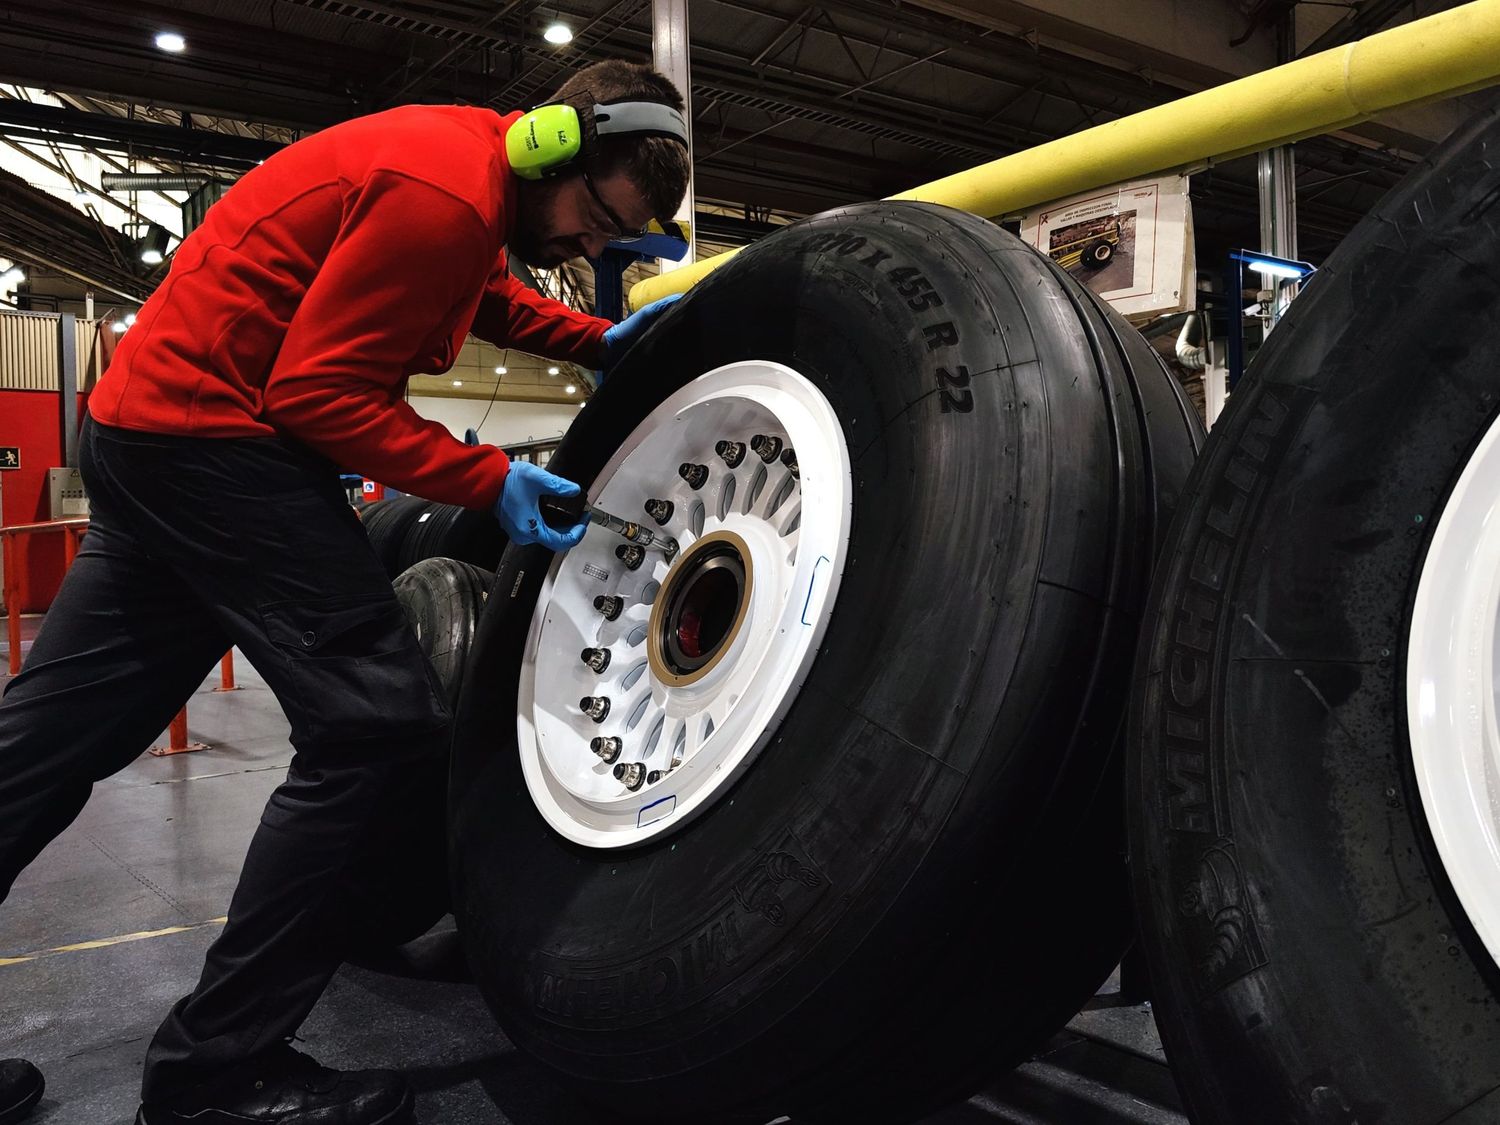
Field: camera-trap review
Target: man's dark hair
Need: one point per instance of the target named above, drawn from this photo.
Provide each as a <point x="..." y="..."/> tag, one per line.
<point x="657" y="166"/>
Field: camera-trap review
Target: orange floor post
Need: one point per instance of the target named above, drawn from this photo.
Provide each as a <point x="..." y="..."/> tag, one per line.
<point x="177" y="738"/>
<point x="226" y="673"/>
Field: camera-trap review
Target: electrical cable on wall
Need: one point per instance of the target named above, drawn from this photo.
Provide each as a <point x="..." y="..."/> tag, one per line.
<point x="504" y="362"/>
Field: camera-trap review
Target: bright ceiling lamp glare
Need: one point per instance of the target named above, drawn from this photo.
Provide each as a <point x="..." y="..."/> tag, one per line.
<point x="558" y="33"/>
<point x="458" y="382"/>
<point x="501" y="370"/>
<point x="171" y="42"/>
<point x="118" y="326"/>
<point x="153" y="247"/>
<point x="554" y="370"/>
<point x="572" y="389"/>
<point x="130" y="320"/>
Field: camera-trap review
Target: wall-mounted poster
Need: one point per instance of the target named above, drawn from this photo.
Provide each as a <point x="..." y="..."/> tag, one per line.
<point x="1131" y="244"/>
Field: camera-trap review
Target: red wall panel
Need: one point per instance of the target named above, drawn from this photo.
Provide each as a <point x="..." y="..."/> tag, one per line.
<point x="30" y="419"/>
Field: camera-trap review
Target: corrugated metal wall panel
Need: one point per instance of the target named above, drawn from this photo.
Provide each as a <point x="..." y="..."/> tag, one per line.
<point x="88" y="352"/>
<point x="28" y="351"/>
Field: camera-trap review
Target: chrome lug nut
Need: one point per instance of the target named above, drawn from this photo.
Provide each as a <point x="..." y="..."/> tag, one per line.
<point x="596" y="658"/>
<point x="766" y="447"/>
<point x="607" y="748"/>
<point x="695" y="475"/>
<point x="631" y="556"/>
<point x="659" y="510"/>
<point x="632" y="775"/>
<point x="610" y="605"/>
<point x="654" y="776"/>
<point x="733" y="452"/>
<point x="789" y="459"/>
<point x="595" y="707"/>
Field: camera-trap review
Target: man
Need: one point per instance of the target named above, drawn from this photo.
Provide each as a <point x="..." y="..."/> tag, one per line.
<point x="274" y="353"/>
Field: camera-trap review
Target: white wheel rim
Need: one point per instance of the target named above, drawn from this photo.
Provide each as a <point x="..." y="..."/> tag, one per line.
<point x="794" y="526"/>
<point x="1451" y="689"/>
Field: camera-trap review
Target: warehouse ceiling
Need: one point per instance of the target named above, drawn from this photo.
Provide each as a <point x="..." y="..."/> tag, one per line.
<point x="797" y="106"/>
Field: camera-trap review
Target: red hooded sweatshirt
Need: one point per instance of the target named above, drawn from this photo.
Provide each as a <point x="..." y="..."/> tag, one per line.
<point x="328" y="276"/>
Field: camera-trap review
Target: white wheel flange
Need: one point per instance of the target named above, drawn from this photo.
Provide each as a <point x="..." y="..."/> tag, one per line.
<point x="691" y="730"/>
<point x="1451" y="690"/>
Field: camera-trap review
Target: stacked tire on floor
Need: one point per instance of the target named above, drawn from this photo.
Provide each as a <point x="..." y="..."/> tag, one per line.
<point x="445" y="531"/>
<point x="406" y="529"/>
<point x="921" y="876"/>
<point x="387" y="523"/>
<point x="1314" y="784"/>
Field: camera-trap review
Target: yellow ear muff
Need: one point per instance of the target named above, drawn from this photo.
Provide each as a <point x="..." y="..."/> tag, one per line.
<point x="544" y="141"/>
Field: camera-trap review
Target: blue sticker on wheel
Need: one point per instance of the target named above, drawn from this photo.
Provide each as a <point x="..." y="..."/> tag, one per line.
<point x="813" y="581"/>
<point x="656" y="810"/>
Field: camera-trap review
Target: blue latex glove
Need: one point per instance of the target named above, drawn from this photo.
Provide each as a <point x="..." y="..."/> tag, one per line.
<point x="618" y="338"/>
<point x="518" y="513"/>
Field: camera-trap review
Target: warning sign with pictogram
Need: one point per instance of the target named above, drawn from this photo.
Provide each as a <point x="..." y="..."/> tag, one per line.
<point x="10" y="456"/>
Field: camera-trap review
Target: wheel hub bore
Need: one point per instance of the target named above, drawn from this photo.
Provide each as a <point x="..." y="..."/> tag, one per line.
<point x="700" y="608"/>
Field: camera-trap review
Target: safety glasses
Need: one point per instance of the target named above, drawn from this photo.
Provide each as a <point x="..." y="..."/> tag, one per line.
<point x="621" y="233"/>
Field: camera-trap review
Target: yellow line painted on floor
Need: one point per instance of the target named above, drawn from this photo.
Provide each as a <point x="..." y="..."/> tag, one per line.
<point x="104" y="943"/>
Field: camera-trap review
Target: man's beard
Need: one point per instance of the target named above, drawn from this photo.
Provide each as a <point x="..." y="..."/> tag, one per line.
<point x="536" y="204"/>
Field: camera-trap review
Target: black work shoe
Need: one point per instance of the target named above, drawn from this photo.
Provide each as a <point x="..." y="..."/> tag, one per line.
<point x="21" y="1087"/>
<point x="286" y="1087"/>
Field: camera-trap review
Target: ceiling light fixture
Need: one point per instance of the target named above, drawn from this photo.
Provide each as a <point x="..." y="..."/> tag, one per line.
<point x="118" y="326"/>
<point x="153" y="246"/>
<point x="553" y="371"/>
<point x="572" y="390"/>
<point x="501" y="370"/>
<point x="171" y="42"/>
<point x="458" y="382"/>
<point x="558" y="33"/>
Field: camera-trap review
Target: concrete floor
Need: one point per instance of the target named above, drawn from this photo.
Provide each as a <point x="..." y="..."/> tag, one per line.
<point x="109" y="926"/>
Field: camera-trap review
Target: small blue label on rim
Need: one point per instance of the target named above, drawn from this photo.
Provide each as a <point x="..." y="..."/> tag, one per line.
<point x="811" y="582"/>
<point x="656" y="810"/>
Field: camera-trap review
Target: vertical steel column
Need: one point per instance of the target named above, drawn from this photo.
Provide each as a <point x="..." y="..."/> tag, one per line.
<point x="67" y="369"/>
<point x="669" y="52"/>
<point x="1234" y="293"/>
<point x="1278" y="193"/>
<point x="609" y="282"/>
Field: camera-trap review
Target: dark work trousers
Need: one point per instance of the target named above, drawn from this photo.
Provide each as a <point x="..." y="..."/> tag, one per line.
<point x="196" y="544"/>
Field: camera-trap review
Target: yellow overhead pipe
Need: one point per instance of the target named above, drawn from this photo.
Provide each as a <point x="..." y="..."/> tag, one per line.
<point x="1441" y="56"/>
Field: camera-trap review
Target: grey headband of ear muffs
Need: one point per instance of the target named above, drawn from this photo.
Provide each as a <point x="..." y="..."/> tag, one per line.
<point x="648" y="118"/>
